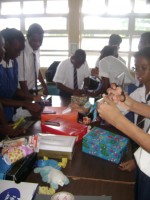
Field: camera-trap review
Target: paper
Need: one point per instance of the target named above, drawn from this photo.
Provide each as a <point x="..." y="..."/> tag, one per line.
<point x="11" y="190"/>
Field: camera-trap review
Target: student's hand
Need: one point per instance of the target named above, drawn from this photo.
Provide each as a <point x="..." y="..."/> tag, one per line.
<point x="79" y="92"/>
<point x="37" y="98"/>
<point x="108" y="111"/>
<point x="45" y="91"/>
<point x="117" y="95"/>
<point x="8" y="130"/>
<point x="95" y="72"/>
<point x="128" y="166"/>
<point x="33" y="107"/>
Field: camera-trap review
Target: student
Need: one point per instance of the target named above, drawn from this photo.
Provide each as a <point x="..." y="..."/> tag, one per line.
<point x="144" y="40"/>
<point x="109" y="112"/>
<point x="29" y="63"/>
<point x="116" y="40"/>
<point x="109" y="69"/>
<point x="14" y="43"/>
<point x="141" y="94"/>
<point x="142" y="70"/>
<point x="107" y="51"/>
<point x="64" y="76"/>
<point x="2" y="47"/>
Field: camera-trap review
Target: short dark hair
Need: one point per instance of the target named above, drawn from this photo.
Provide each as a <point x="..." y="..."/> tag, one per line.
<point x="115" y="39"/>
<point x="145" y="52"/>
<point x="11" y="34"/>
<point x="146" y="36"/>
<point x="79" y="55"/>
<point x="108" y="51"/>
<point x="35" y="28"/>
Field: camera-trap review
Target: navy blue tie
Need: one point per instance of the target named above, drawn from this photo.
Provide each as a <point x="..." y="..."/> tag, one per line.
<point x="140" y="118"/>
<point x="36" y="87"/>
<point x="75" y="79"/>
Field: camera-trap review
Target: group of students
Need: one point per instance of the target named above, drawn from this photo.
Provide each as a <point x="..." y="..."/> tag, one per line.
<point x="116" y="103"/>
<point x="19" y="62"/>
<point x="19" y="71"/>
<point x="108" y="66"/>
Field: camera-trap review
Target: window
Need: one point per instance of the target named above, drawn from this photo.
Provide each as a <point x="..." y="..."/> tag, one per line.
<point x="9" y="23"/>
<point x="87" y="24"/>
<point x="142" y="6"/>
<point x="60" y="7"/>
<point x="129" y="19"/>
<point x="102" y="23"/>
<point x="48" y="23"/>
<point x="29" y="5"/>
<point x="52" y="15"/>
<point x="6" y="8"/>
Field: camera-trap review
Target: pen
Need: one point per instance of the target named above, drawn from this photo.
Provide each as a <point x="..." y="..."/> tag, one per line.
<point x="18" y="123"/>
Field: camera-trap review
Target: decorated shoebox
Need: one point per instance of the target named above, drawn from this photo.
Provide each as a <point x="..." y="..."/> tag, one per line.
<point x="50" y="112"/>
<point x="61" y="126"/>
<point x="104" y="144"/>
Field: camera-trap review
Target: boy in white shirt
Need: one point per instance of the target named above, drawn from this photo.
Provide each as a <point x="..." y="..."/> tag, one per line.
<point x="29" y="62"/>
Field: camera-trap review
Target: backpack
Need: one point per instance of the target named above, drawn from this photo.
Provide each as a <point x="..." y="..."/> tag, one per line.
<point x="50" y="72"/>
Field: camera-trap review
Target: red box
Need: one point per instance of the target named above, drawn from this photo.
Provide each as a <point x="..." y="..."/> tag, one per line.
<point x="64" y="127"/>
<point x="46" y="115"/>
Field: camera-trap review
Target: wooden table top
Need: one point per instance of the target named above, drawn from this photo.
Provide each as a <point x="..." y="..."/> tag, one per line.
<point x="90" y="175"/>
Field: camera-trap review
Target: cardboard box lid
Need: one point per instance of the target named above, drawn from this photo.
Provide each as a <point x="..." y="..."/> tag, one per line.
<point x="56" y="142"/>
<point x="50" y="112"/>
<point x="65" y="127"/>
<point x="23" y="190"/>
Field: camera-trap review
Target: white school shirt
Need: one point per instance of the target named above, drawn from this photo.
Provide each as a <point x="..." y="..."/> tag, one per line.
<point x="142" y="158"/>
<point x="139" y="95"/>
<point x="119" y="58"/>
<point x="65" y="71"/>
<point x="26" y="70"/>
<point x="110" y="67"/>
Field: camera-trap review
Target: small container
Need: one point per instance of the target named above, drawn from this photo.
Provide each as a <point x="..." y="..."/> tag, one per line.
<point x="16" y="153"/>
<point x="62" y="196"/>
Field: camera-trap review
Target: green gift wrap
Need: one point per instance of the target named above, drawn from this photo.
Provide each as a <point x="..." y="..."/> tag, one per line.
<point x="105" y="144"/>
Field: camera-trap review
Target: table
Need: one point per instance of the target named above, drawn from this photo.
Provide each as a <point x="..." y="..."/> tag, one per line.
<point x="90" y="175"/>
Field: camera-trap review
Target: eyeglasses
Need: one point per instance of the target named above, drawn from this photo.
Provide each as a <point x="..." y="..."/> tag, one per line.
<point x="140" y="69"/>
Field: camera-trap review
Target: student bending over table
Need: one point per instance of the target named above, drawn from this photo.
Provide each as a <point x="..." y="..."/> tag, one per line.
<point x="109" y="68"/>
<point x="13" y="42"/>
<point x="72" y="75"/>
<point x="109" y="112"/>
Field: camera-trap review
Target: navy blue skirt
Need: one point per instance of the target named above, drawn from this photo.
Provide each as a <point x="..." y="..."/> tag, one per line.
<point x="142" y="186"/>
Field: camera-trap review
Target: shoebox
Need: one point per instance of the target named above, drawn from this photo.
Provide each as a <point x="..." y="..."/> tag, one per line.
<point x="12" y="190"/>
<point x="50" y="112"/>
<point x="61" y="126"/>
<point x="56" y="146"/>
<point x="105" y="144"/>
<point x="19" y="170"/>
